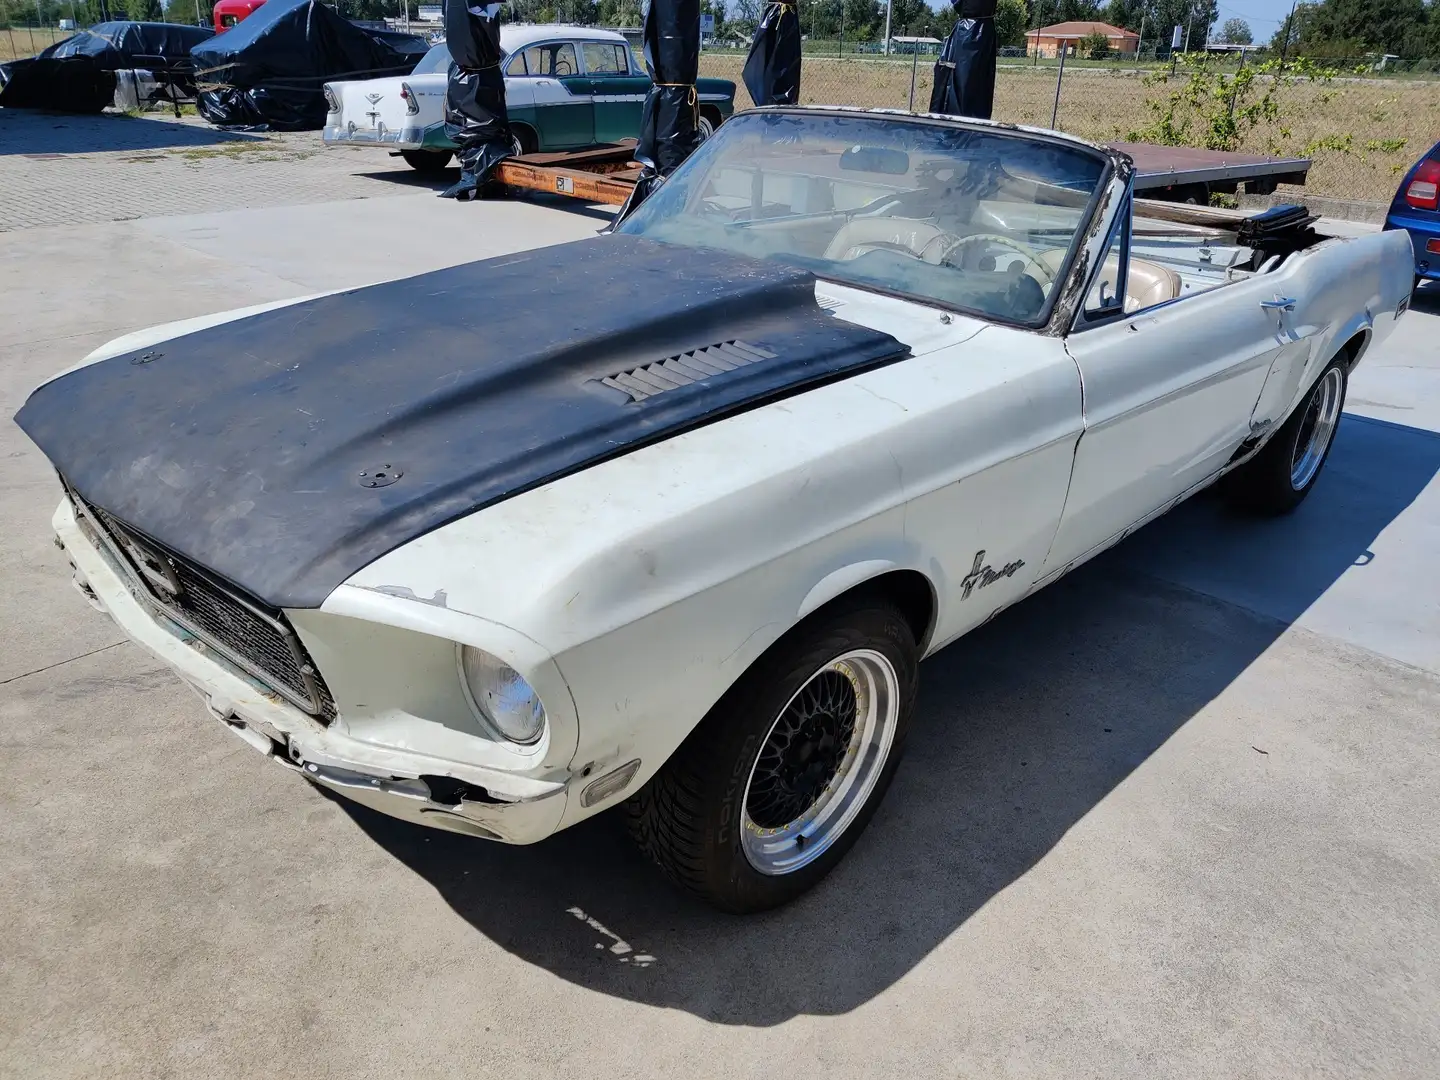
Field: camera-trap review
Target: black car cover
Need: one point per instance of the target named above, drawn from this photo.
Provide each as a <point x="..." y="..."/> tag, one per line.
<point x="670" y="120"/>
<point x="772" y="70"/>
<point x="965" y="72"/>
<point x="269" y="70"/>
<point x="286" y="450"/>
<point x="475" y="116"/>
<point x="74" y="84"/>
<point x="77" y="74"/>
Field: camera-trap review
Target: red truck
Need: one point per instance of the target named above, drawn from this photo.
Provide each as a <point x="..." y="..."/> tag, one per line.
<point x="230" y="12"/>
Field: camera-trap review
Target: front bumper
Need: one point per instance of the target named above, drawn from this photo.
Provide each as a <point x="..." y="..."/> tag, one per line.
<point x="489" y="803"/>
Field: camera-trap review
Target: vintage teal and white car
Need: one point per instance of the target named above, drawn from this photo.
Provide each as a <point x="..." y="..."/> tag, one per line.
<point x="566" y="88"/>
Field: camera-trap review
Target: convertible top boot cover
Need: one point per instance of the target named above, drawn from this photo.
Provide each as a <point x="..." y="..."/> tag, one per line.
<point x="965" y="73"/>
<point x="284" y="451"/>
<point x="670" y="119"/>
<point x="772" y="70"/>
<point x="269" y="70"/>
<point x="475" y="116"/>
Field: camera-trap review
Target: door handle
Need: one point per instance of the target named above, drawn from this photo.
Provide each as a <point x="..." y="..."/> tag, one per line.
<point x="1280" y="303"/>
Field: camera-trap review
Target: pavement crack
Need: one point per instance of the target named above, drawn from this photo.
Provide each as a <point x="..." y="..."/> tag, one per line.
<point x="60" y="663"/>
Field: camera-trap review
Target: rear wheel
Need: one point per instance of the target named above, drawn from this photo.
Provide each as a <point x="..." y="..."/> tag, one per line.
<point x="706" y="126"/>
<point x="427" y="161"/>
<point x="1276" y="480"/>
<point x="776" y="783"/>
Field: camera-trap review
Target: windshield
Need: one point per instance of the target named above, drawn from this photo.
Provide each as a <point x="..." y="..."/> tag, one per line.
<point x="434" y="62"/>
<point x="975" y="219"/>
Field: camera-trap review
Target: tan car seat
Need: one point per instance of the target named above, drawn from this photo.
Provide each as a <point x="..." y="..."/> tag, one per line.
<point x="1146" y="285"/>
<point x="897" y="232"/>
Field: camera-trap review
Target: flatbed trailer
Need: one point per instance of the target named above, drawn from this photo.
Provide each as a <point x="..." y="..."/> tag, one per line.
<point x="606" y="174"/>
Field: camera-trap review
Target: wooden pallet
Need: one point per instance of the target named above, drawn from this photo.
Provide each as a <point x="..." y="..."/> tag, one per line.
<point x="602" y="174"/>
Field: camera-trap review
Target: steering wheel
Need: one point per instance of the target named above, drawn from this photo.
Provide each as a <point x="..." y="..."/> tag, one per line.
<point x="1036" y="269"/>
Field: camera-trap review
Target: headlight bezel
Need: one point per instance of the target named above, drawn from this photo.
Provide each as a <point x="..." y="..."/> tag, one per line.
<point x="533" y="744"/>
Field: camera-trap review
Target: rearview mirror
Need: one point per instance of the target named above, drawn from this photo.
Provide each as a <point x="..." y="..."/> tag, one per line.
<point x="875" y="159"/>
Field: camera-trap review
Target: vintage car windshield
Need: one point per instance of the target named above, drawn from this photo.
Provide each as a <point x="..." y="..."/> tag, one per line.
<point x="977" y="219"/>
<point x="434" y="62"/>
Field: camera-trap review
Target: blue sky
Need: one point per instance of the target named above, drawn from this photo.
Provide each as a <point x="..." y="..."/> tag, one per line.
<point x="1264" y="16"/>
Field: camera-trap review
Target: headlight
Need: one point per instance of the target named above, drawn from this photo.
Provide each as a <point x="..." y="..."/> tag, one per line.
<point x="502" y="696"/>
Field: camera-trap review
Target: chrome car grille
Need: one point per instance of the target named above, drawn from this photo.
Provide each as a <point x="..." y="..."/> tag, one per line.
<point x="257" y="640"/>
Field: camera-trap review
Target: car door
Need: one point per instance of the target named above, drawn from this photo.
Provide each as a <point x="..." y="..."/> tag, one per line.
<point x="564" y="112"/>
<point x="1170" y="389"/>
<point x="617" y="91"/>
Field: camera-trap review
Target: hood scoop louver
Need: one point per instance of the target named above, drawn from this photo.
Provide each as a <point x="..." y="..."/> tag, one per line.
<point x="686" y="368"/>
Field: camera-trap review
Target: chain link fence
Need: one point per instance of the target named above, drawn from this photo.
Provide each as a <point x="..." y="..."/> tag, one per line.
<point x="1362" y="133"/>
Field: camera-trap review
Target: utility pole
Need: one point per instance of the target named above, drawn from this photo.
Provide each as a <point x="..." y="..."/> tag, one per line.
<point x="1285" y="43"/>
<point x="1141" y="39"/>
<point x="888" y="5"/>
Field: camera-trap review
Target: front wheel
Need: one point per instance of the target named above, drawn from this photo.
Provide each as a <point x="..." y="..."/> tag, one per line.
<point x="1277" y="479"/>
<point x="775" y="784"/>
<point x="427" y="161"/>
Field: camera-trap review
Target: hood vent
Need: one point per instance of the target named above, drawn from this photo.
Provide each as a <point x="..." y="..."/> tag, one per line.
<point x="685" y="368"/>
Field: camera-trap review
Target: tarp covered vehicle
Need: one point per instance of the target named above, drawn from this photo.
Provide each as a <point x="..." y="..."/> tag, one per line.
<point x="79" y="73"/>
<point x="269" y="70"/>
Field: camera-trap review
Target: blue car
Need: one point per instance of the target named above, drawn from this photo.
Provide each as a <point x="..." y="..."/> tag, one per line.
<point x="1416" y="209"/>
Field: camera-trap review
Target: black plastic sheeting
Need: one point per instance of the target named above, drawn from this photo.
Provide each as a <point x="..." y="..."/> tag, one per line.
<point x="247" y="447"/>
<point x="772" y="70"/>
<point x="475" y="115"/>
<point x="152" y="46"/>
<point x="269" y="69"/>
<point x="78" y="74"/>
<point x="965" y="72"/>
<point x="74" y="84"/>
<point x="669" y="122"/>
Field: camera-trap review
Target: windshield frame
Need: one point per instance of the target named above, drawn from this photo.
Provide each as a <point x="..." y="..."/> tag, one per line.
<point x="1111" y="167"/>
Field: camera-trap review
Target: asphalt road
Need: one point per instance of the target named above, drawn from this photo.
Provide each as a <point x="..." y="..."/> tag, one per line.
<point x="1177" y="816"/>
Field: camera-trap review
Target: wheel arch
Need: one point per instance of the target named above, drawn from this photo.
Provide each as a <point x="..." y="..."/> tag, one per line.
<point x="911" y="591"/>
<point x="1355" y="346"/>
<point x="711" y="112"/>
<point x="526" y="133"/>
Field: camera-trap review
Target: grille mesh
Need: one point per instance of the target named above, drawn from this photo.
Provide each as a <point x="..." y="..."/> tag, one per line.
<point x="685" y="368"/>
<point x="258" y="640"/>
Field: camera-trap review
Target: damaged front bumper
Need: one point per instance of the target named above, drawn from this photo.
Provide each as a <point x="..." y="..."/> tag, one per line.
<point x="477" y="801"/>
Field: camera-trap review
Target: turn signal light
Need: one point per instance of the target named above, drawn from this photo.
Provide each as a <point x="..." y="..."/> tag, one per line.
<point x="1424" y="190"/>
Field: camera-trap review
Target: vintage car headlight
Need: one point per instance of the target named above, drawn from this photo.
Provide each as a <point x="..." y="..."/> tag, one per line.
<point x="502" y="697"/>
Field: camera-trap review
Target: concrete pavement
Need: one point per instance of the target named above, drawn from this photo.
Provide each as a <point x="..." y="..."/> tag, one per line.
<point x="1177" y="816"/>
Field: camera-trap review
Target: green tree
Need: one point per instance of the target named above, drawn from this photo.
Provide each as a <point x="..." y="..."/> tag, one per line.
<point x="1128" y="15"/>
<point x="1095" y="46"/>
<point x="1236" y="32"/>
<point x="1010" y="21"/>
<point x="1389" y="25"/>
<point x="143" y="10"/>
<point x="862" y="20"/>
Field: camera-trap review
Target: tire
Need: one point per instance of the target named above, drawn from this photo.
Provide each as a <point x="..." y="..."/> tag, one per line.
<point x="427" y="161"/>
<point x="706" y="126"/>
<point x="1277" y="479"/>
<point x="767" y="745"/>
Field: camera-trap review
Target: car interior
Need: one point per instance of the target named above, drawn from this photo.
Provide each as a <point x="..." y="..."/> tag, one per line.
<point x="988" y="227"/>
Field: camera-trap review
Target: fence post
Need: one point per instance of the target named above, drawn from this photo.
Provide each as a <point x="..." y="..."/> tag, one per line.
<point x="1059" y="76"/>
<point x="1235" y="84"/>
<point x="914" y="67"/>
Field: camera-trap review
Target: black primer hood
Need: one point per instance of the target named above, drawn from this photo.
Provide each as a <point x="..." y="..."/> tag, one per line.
<point x="255" y="448"/>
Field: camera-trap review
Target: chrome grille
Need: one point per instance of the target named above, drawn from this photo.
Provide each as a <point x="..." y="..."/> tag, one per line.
<point x="252" y="637"/>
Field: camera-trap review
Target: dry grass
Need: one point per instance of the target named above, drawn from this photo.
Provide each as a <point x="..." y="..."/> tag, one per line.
<point x="1107" y="105"/>
<point x="21" y="42"/>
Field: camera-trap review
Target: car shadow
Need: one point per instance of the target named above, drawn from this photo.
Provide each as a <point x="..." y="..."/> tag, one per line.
<point x="410" y="178"/>
<point x="1021" y="729"/>
<point x="26" y="131"/>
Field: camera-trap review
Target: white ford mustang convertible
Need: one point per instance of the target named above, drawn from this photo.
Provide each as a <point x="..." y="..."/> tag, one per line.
<point x="668" y="518"/>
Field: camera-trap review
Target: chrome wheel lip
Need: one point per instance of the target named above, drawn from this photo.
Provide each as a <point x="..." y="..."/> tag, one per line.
<point x="1309" y="451"/>
<point x="784" y="850"/>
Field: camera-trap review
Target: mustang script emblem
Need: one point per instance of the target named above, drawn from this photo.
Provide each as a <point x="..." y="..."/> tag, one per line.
<point x="981" y="575"/>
